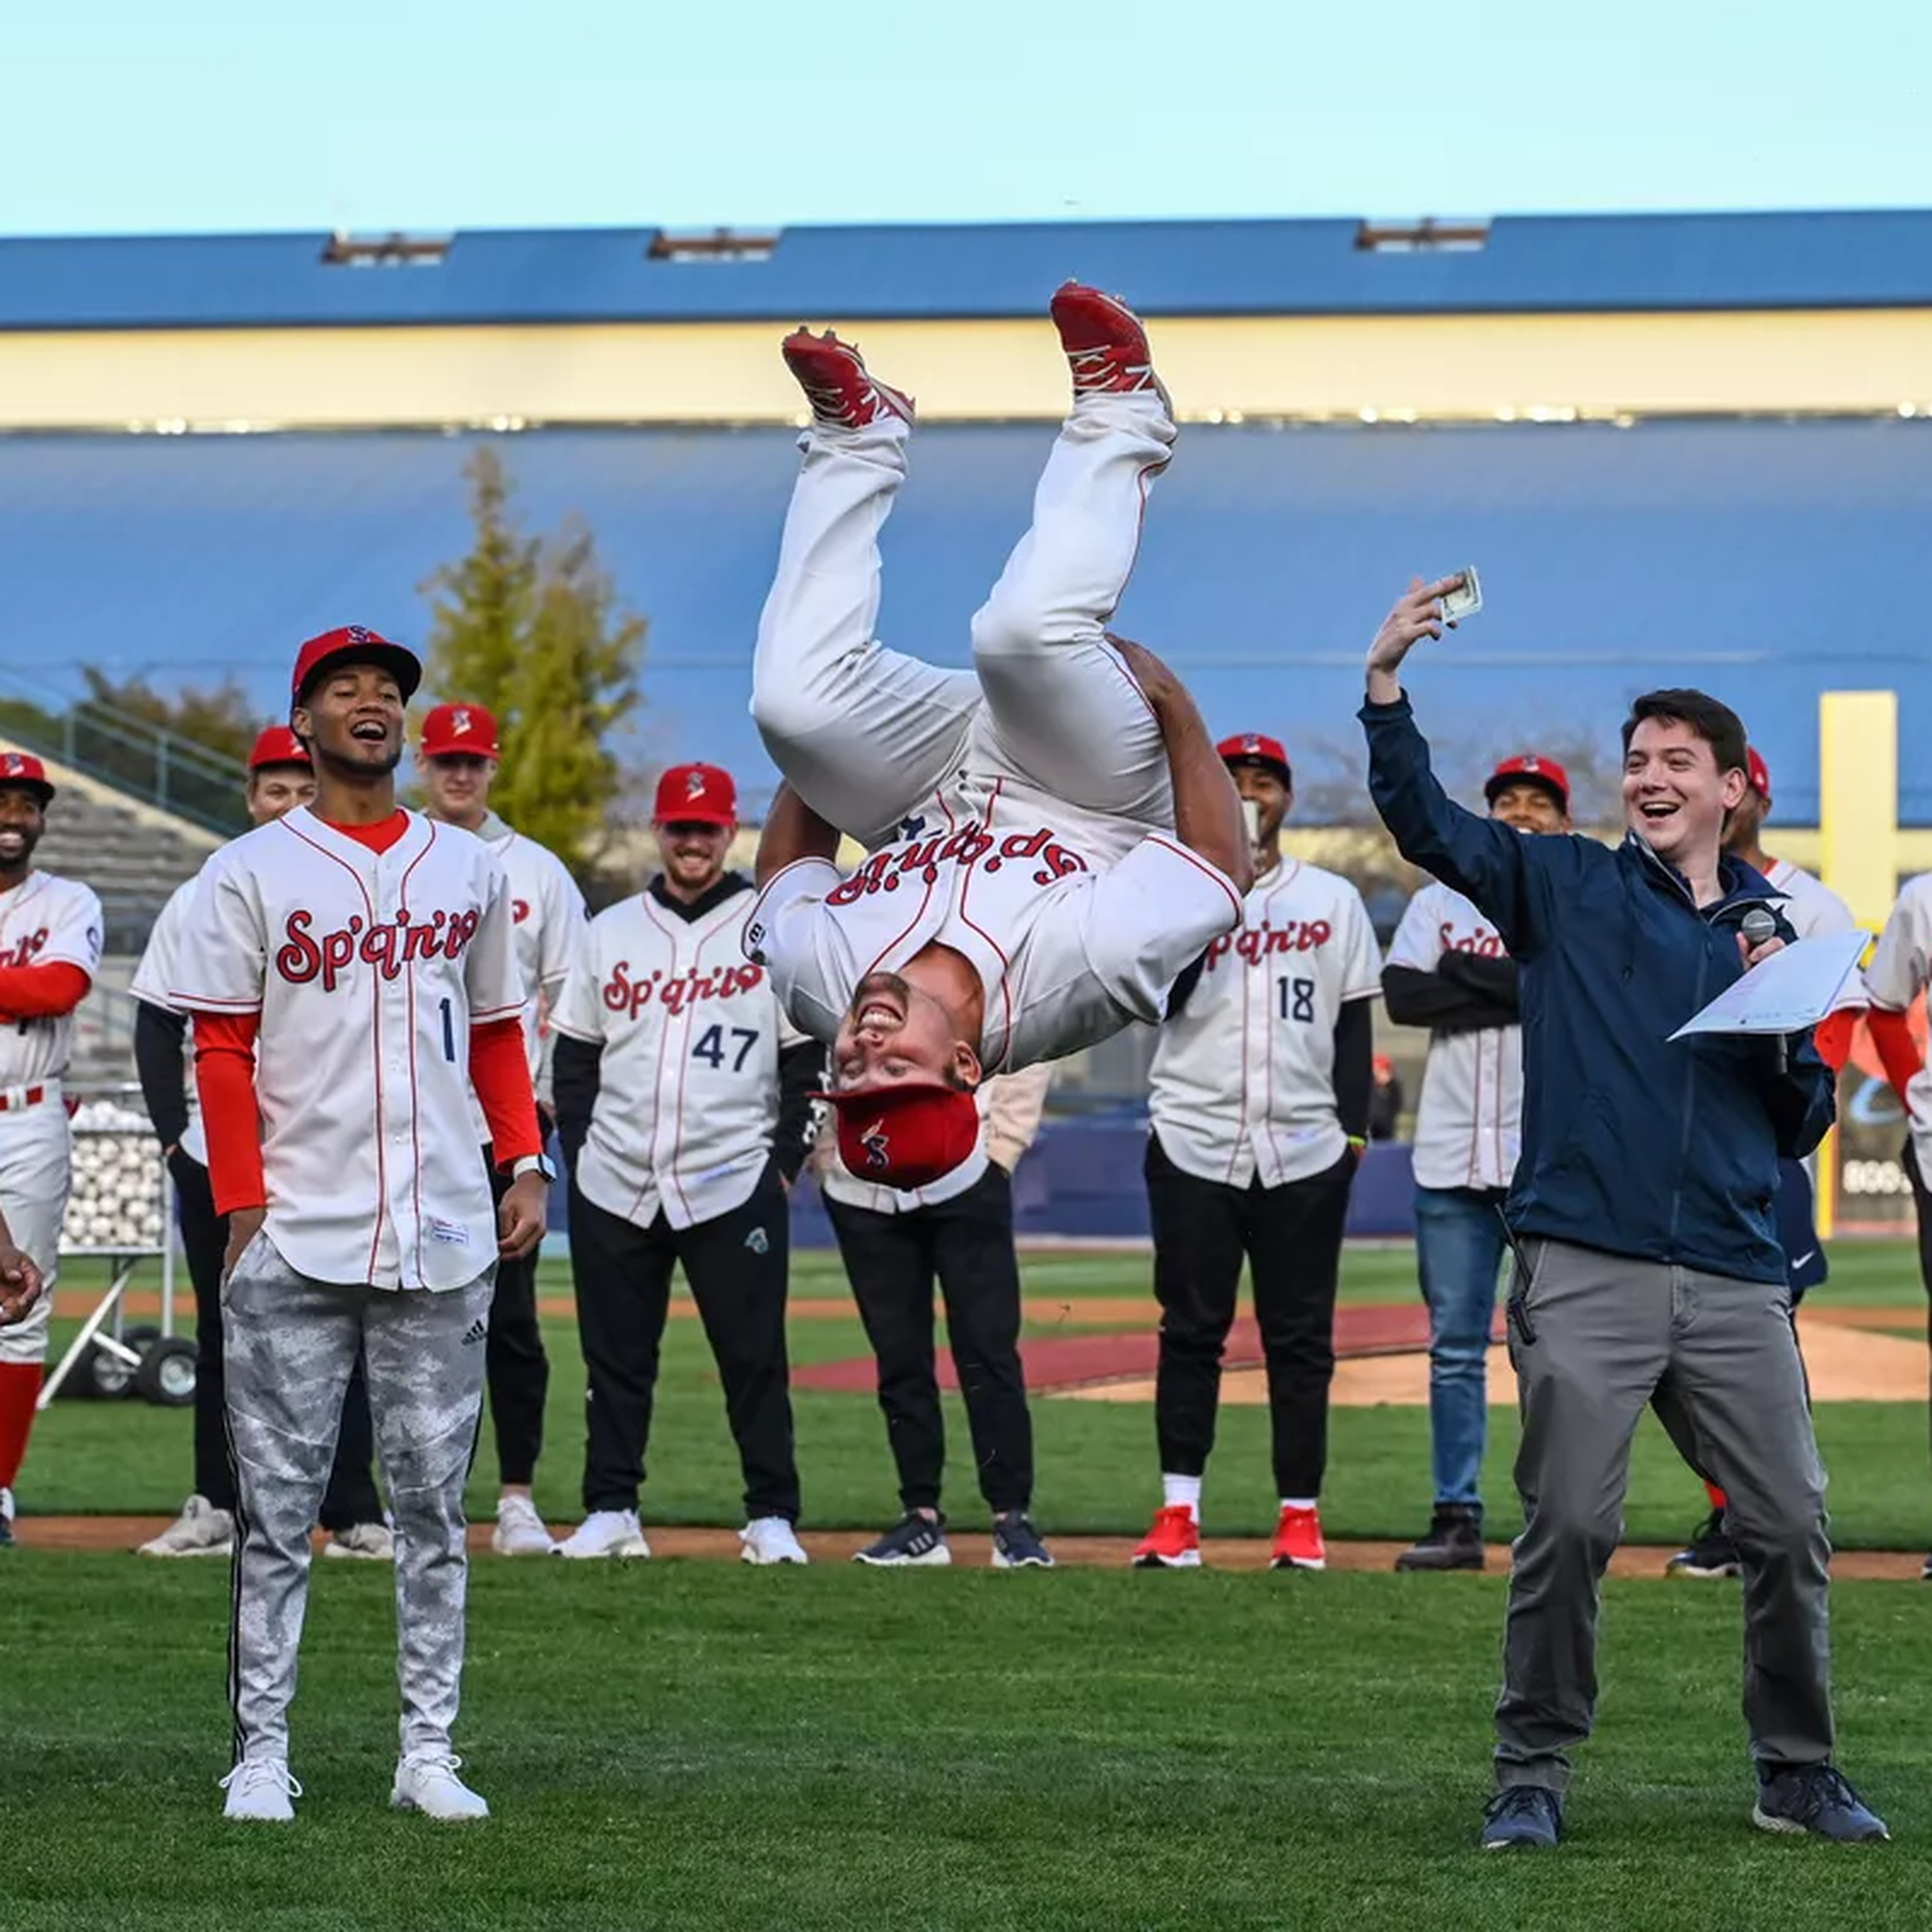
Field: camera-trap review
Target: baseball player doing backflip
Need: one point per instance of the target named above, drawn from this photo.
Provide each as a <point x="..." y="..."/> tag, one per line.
<point x="458" y="755"/>
<point x="1051" y="836"/>
<point x="50" y="939"/>
<point x="352" y="972"/>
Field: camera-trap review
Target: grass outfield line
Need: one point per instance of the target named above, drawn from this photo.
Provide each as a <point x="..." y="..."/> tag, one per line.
<point x="690" y="1746"/>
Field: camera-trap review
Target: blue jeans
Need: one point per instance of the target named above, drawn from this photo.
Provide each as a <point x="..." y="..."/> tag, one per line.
<point x="1459" y="1246"/>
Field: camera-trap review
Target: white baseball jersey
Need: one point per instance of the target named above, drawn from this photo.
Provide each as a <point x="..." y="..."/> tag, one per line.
<point x="1243" y="1076"/>
<point x="46" y="921"/>
<point x="1469" y="1120"/>
<point x="688" y="1085"/>
<point x="1899" y="970"/>
<point x="550" y="914"/>
<point x="1068" y="947"/>
<point x="1810" y="905"/>
<point x="369" y="970"/>
<point x="159" y="969"/>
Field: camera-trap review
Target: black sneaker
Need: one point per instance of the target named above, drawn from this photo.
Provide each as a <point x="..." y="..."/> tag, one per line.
<point x="1522" y="1817"/>
<point x="1710" y="1553"/>
<point x="1925" y="1575"/>
<point x="1454" y="1541"/>
<point x="1016" y="1546"/>
<point x="913" y="1539"/>
<point x="1817" y="1799"/>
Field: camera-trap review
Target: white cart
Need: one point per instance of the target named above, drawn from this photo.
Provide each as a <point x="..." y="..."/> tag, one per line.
<point x="121" y="1209"/>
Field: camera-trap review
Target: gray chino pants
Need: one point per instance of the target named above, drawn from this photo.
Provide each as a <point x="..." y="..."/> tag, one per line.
<point x="290" y="1345"/>
<point x="1594" y="1337"/>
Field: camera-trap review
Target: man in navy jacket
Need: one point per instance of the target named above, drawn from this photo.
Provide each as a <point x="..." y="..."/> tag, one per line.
<point x="1648" y="1270"/>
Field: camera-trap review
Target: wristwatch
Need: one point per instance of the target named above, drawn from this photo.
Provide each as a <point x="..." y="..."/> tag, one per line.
<point x="534" y="1164"/>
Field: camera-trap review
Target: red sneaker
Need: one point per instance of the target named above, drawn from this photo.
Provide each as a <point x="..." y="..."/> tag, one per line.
<point x="1298" y="1542"/>
<point x="837" y="384"/>
<point x="1105" y="345"/>
<point x="1173" y="1543"/>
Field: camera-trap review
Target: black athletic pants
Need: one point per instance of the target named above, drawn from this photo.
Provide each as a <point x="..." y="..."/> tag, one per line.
<point x="1291" y="1239"/>
<point x="1922" y="1203"/>
<point x="736" y="1265"/>
<point x="351" y="1498"/>
<point x="514" y="1360"/>
<point x="966" y="1244"/>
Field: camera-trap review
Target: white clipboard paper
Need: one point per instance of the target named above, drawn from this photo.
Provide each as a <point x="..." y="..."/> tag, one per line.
<point x="1792" y="990"/>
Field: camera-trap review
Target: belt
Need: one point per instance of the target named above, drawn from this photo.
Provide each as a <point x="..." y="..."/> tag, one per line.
<point x="14" y="1097"/>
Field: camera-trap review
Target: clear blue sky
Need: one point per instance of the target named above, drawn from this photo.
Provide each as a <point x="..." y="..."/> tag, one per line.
<point x="126" y="116"/>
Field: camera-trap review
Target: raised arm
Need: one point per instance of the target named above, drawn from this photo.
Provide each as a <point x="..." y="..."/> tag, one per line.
<point x="792" y="832"/>
<point x="1207" y="808"/>
<point x="1506" y="873"/>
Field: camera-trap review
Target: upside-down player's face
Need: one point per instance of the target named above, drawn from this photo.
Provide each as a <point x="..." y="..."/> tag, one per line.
<point x="352" y="719"/>
<point x="1271" y="798"/>
<point x="275" y="791"/>
<point x="895" y="1034"/>
<point x="1674" y="796"/>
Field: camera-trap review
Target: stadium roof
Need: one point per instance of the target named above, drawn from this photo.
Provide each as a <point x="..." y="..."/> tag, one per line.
<point x="1516" y="264"/>
<point x="1766" y="560"/>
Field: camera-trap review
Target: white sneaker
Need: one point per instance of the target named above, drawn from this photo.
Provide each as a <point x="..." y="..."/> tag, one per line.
<point x="6" y="1518"/>
<point x="200" y="1530"/>
<point x="605" y="1532"/>
<point x="519" y="1530"/>
<point x="374" y="1543"/>
<point x="260" y="1788"/>
<point x="769" y="1539"/>
<point x="429" y="1784"/>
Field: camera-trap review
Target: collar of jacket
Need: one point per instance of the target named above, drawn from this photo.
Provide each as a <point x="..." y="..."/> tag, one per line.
<point x="1744" y="886"/>
<point x="691" y="911"/>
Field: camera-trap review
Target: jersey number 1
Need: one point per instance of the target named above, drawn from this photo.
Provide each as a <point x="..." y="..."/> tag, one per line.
<point x="449" y="1033"/>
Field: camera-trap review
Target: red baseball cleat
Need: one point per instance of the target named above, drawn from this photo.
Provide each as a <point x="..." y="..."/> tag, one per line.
<point x="1105" y="346"/>
<point x="842" y="393"/>
<point x="1298" y="1542"/>
<point x="1173" y="1543"/>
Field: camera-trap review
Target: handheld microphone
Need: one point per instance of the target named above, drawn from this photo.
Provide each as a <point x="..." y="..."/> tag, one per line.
<point x="1757" y="926"/>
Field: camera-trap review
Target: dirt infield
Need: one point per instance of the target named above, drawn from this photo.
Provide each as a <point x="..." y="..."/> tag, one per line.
<point x="107" y="1533"/>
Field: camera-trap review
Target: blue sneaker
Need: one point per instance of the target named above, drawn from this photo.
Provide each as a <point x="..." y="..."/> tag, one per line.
<point x="1522" y="1817"/>
<point x="1016" y="1544"/>
<point x="1817" y="1799"/>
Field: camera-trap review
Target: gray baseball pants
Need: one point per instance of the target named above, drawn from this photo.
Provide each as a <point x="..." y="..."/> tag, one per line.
<point x="290" y="1345"/>
<point x="1594" y="1339"/>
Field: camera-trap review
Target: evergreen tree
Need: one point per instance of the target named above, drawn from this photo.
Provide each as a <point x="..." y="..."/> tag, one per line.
<point x="533" y="629"/>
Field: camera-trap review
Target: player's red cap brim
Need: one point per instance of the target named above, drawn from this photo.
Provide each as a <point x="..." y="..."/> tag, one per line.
<point x="905" y="1137"/>
<point x="355" y="644"/>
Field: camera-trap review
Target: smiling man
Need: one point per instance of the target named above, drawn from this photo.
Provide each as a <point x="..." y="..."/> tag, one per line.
<point x="1648" y="1271"/>
<point x="351" y="969"/>
<point x="1051" y="836"/>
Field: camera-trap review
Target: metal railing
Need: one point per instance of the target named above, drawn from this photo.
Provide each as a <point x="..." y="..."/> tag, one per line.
<point x="147" y="761"/>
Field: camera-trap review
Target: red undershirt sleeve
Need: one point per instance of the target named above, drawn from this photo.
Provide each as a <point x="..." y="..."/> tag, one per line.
<point x="1892" y="1035"/>
<point x="1832" y="1036"/>
<point x="42" y="992"/>
<point x="225" y="1076"/>
<point x="500" y="1072"/>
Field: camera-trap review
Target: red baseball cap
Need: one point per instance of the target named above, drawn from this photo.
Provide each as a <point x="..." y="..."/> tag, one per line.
<point x="1256" y="748"/>
<point x="1528" y="768"/>
<point x="905" y="1137"/>
<point x="1758" y="773"/>
<point x="355" y="644"/>
<point x="279" y="746"/>
<point x="459" y="731"/>
<point x="696" y="794"/>
<point x="23" y="768"/>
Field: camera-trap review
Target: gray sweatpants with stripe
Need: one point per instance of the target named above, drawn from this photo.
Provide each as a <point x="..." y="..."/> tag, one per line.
<point x="1594" y="1339"/>
<point x="290" y="1344"/>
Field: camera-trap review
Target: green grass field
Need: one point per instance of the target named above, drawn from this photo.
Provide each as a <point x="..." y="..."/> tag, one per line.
<point x="1096" y="1460"/>
<point x="688" y="1744"/>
